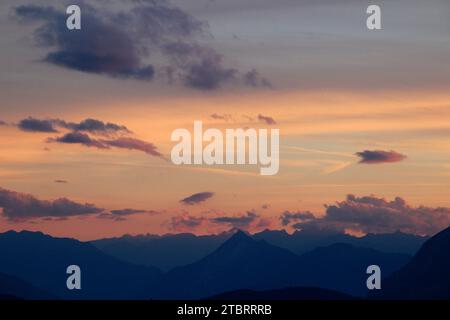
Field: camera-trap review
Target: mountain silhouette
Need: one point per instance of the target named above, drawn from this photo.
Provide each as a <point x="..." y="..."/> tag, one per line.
<point x="173" y="250"/>
<point x="12" y="288"/>
<point x="299" y="293"/>
<point x="165" y="252"/>
<point x="245" y="263"/>
<point x="303" y="241"/>
<point x="240" y="262"/>
<point x="426" y="276"/>
<point x="42" y="261"/>
<point x="342" y="267"/>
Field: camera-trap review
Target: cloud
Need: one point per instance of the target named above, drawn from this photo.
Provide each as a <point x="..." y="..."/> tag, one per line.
<point x="266" y="119"/>
<point x="242" y="221"/>
<point x="121" y="43"/>
<point x="101" y="46"/>
<point x="202" y="67"/>
<point x="288" y="217"/>
<point x="197" y="198"/>
<point x="225" y="116"/>
<point x="109" y="216"/>
<point x="122" y="143"/>
<point x="128" y="212"/>
<point x="79" y="138"/>
<point x="3" y="123"/>
<point x="123" y="214"/>
<point x="379" y="156"/>
<point x="61" y="181"/>
<point x="220" y="222"/>
<point x="92" y="126"/>
<point x="370" y="214"/>
<point x="185" y="222"/>
<point x="133" y="144"/>
<point x="21" y="206"/>
<point x="36" y="125"/>
<point x="80" y="134"/>
<point x="254" y="79"/>
<point x="96" y="127"/>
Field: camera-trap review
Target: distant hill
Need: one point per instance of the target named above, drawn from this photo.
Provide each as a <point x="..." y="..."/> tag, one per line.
<point x="342" y="267"/>
<point x="240" y="262"/>
<point x="12" y="288"/>
<point x="173" y="250"/>
<point x="303" y="241"/>
<point x="301" y="293"/>
<point x="42" y="260"/>
<point x="244" y="263"/>
<point x="426" y="276"/>
<point x="164" y="252"/>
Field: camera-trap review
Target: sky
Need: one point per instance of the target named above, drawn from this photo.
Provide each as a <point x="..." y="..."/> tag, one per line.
<point x="86" y="116"/>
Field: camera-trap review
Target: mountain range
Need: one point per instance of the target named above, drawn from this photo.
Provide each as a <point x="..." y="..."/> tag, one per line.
<point x="42" y="260"/>
<point x="153" y="250"/>
<point x="33" y="265"/>
<point x="243" y="262"/>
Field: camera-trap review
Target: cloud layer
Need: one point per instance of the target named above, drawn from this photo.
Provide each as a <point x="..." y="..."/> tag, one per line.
<point x="370" y="214"/>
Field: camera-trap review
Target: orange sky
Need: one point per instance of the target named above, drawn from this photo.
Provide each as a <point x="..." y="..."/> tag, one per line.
<point x="337" y="90"/>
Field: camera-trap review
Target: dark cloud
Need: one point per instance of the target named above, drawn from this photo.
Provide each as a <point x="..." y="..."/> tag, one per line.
<point x="185" y="222"/>
<point x="208" y="75"/>
<point x="266" y="119"/>
<point x="79" y="138"/>
<point x="61" y="181"/>
<point x="96" y="127"/>
<point x="93" y="126"/>
<point x="101" y="46"/>
<point x="237" y="221"/>
<point x="376" y="215"/>
<point x="120" y="44"/>
<point x="36" y="125"/>
<point x="288" y="217"/>
<point x="201" y="67"/>
<point x="254" y="79"/>
<point x="133" y="144"/>
<point x="21" y="206"/>
<point x="197" y="198"/>
<point x="379" y="156"/>
<point x="122" y="143"/>
<point x="3" y="123"/>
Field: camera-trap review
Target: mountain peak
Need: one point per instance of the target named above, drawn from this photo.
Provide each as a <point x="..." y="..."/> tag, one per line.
<point x="238" y="239"/>
<point x="241" y="236"/>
